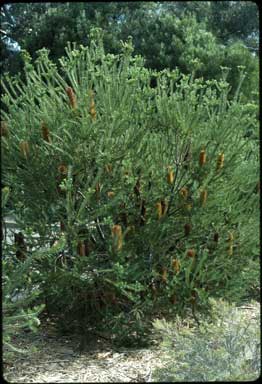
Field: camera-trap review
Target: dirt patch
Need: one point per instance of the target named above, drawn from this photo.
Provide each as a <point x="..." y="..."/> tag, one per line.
<point x="58" y="360"/>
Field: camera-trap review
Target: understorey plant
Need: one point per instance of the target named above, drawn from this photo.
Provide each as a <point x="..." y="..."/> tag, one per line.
<point x="141" y="185"/>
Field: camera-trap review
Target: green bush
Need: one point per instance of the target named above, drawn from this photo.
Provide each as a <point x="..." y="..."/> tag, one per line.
<point x="137" y="193"/>
<point x="19" y="309"/>
<point x="226" y="347"/>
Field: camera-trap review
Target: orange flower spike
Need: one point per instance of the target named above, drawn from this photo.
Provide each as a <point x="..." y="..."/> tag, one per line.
<point x="92" y="109"/>
<point x="220" y="161"/>
<point x="72" y="97"/>
<point x="203" y="197"/>
<point x="45" y="133"/>
<point x="202" y="158"/>
<point x="24" y="148"/>
<point x="117" y="234"/>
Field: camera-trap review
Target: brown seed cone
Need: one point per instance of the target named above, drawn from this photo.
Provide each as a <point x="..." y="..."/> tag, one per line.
<point x="191" y="253"/>
<point x="164" y="206"/>
<point x="45" y="133"/>
<point x="62" y="169"/>
<point x="72" y="97"/>
<point x="4" y="129"/>
<point x="216" y="237"/>
<point x="20" y="246"/>
<point x="81" y="248"/>
<point x="24" y="148"/>
<point x="202" y="158"/>
<point x="143" y="213"/>
<point x="137" y="188"/>
<point x="187" y="228"/>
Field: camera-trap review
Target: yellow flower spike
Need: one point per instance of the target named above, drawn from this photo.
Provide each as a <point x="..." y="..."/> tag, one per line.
<point x="202" y="158"/>
<point x="176" y="265"/>
<point x="72" y="97"/>
<point x="170" y="176"/>
<point x="230" y="237"/>
<point x="117" y="235"/>
<point x="110" y="194"/>
<point x="188" y="207"/>
<point x="230" y="250"/>
<point x="24" y="148"/>
<point x="108" y="168"/>
<point x="159" y="209"/>
<point x="220" y="161"/>
<point x="184" y="192"/>
<point x="203" y="197"/>
<point x="164" y="275"/>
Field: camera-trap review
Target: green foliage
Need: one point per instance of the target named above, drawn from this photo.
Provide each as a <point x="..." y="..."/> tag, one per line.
<point x="226" y="347"/>
<point x="20" y="311"/>
<point x="107" y="169"/>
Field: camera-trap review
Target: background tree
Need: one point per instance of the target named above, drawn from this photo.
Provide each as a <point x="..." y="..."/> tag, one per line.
<point x="188" y="35"/>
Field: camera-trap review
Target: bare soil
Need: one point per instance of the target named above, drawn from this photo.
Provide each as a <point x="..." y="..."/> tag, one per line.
<point x="57" y="359"/>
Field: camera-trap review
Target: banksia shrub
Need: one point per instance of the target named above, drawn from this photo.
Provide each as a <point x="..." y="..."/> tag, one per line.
<point x="106" y="180"/>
